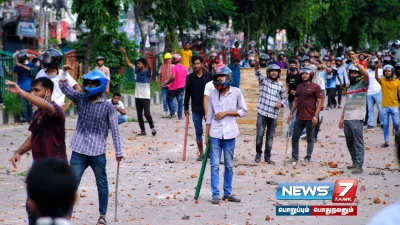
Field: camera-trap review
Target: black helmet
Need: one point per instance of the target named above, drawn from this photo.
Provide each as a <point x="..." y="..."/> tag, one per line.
<point x="373" y="61"/>
<point x="22" y="56"/>
<point x="99" y="58"/>
<point x="264" y="58"/>
<point x="396" y="67"/>
<point x="52" y="58"/>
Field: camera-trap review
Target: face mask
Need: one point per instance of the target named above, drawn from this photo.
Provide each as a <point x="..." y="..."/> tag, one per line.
<point x="292" y="69"/>
<point x="37" y="64"/>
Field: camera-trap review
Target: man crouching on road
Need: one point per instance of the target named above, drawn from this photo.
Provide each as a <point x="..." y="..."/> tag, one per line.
<point x="225" y="103"/>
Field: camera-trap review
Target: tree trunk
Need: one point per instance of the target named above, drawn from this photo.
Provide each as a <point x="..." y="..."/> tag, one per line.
<point x="167" y="42"/>
<point x="182" y="36"/>
<point x="143" y="31"/>
<point x="88" y="53"/>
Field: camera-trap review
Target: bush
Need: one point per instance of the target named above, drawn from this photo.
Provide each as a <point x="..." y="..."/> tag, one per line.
<point x="12" y="104"/>
<point x="116" y="82"/>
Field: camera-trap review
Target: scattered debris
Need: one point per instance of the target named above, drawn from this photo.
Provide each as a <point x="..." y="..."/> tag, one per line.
<point x="271" y="182"/>
<point x="377" y="200"/>
<point x="185" y="217"/>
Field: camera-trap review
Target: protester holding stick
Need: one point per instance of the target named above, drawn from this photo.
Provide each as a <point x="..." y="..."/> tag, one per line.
<point x="95" y="117"/>
<point x="225" y="104"/>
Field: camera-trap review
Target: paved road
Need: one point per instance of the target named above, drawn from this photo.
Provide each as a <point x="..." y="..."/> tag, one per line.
<point x="156" y="185"/>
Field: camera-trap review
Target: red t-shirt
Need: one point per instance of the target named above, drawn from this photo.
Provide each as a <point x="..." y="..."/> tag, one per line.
<point x="235" y="53"/>
<point x="307" y="95"/>
<point x="364" y="64"/>
<point x="48" y="134"/>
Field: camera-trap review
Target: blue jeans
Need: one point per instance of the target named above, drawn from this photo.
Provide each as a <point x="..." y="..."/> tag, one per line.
<point x="372" y="100"/>
<point x="178" y="94"/>
<point x="385" y="113"/>
<point x="80" y="162"/>
<point x="26" y="108"/>
<point x="216" y="147"/>
<point x="198" y="125"/>
<point x="122" y="119"/>
<point x="164" y="93"/>
<point x="293" y="118"/>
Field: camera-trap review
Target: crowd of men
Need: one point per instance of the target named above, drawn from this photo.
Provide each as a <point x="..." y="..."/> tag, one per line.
<point x="208" y="94"/>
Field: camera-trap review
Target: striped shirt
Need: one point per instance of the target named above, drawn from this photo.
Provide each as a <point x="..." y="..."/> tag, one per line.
<point x="94" y="121"/>
<point x="356" y="101"/>
<point x="271" y="93"/>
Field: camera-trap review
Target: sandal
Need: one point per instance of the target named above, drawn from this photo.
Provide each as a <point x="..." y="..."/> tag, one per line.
<point x="101" y="220"/>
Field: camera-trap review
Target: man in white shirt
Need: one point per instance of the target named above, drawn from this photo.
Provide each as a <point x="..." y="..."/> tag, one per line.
<point x="225" y="104"/>
<point x="104" y="69"/>
<point x="374" y="94"/>
<point x="119" y="106"/>
<point x="207" y="90"/>
<point x="341" y="79"/>
<point x="51" y="63"/>
<point x="319" y="79"/>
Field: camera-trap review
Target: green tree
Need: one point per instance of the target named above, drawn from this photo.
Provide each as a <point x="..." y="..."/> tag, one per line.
<point x="98" y="16"/>
<point x="102" y="45"/>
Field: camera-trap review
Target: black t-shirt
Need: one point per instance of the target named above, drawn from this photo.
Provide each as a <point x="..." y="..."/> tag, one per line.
<point x="194" y="91"/>
<point x="293" y="81"/>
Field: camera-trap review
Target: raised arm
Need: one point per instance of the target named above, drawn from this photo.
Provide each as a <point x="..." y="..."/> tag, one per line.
<point x="68" y="91"/>
<point x="39" y="102"/>
<point x="377" y="74"/>
<point x="128" y="62"/>
<point x="257" y="68"/>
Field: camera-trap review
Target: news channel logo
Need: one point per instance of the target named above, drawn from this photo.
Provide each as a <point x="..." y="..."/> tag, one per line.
<point x="340" y="191"/>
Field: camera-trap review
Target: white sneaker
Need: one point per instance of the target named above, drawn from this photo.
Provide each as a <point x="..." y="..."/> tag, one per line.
<point x="165" y="114"/>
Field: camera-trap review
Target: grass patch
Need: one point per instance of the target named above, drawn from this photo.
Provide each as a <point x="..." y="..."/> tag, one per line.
<point x="20" y="174"/>
<point x="134" y="120"/>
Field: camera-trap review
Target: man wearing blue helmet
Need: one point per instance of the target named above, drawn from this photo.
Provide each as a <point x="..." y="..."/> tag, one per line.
<point x="95" y="117"/>
<point x="225" y="103"/>
<point x="272" y="98"/>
